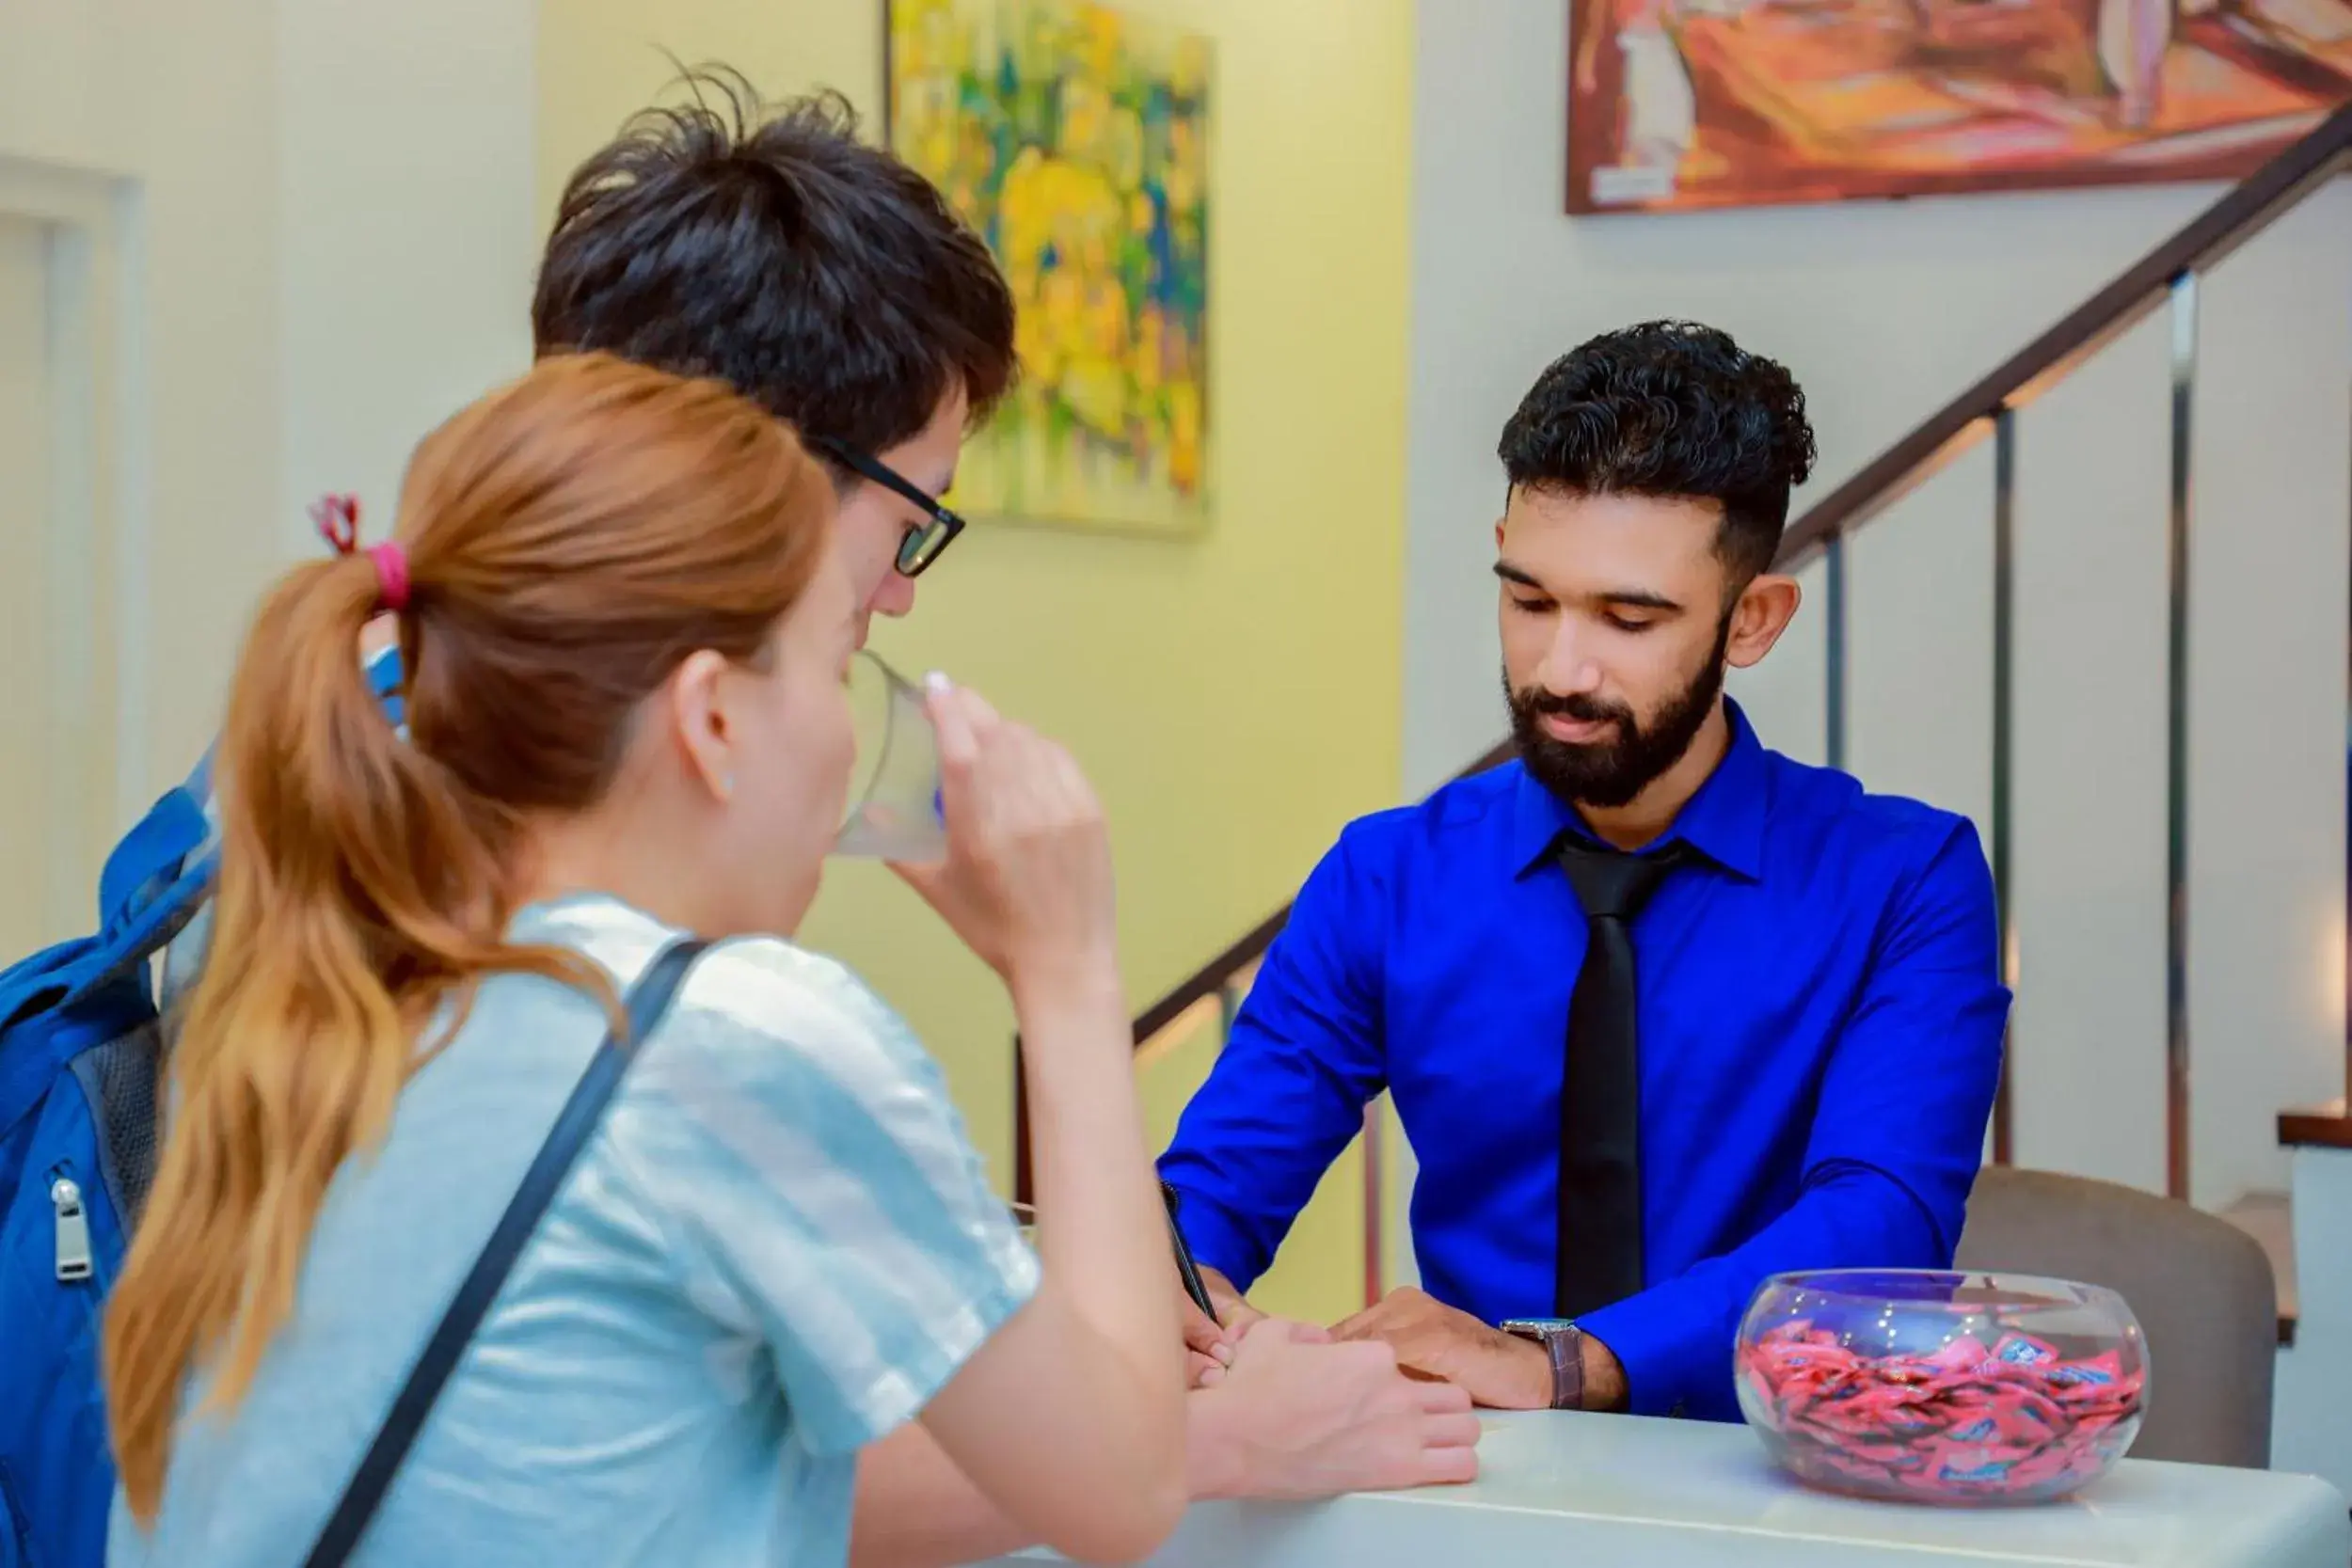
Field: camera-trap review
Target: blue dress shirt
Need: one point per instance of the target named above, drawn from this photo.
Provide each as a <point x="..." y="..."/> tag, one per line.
<point x="1820" y="1016"/>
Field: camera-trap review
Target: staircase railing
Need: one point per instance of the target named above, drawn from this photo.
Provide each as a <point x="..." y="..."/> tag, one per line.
<point x="2167" y="278"/>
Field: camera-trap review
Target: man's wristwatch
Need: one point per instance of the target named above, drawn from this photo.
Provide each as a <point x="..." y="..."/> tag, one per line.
<point x="1565" y="1344"/>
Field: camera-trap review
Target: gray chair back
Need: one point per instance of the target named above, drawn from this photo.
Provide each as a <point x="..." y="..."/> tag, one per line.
<point x="2200" y="1287"/>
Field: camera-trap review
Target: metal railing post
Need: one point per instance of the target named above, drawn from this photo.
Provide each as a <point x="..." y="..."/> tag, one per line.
<point x="1834" y="660"/>
<point x="2176" y="1142"/>
<point x="2004" y="747"/>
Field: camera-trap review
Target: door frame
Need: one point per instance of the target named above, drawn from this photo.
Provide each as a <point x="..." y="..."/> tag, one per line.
<point x="99" y="519"/>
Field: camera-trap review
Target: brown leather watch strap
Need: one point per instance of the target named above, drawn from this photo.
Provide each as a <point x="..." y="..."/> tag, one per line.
<point x="1564" y="1342"/>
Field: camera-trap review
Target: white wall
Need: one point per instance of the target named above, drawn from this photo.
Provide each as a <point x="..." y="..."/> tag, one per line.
<point x="26" y="643"/>
<point x="410" y="185"/>
<point x="1884" y="311"/>
<point x="306" y="231"/>
<point x="139" y="135"/>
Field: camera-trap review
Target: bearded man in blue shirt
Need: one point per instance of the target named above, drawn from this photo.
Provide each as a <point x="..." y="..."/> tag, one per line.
<point x="1663" y="1012"/>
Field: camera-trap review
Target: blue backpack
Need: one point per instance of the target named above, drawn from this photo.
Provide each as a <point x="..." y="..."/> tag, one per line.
<point x="82" y="1046"/>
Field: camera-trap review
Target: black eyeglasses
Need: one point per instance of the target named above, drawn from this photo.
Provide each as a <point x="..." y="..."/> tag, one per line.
<point x="921" y="546"/>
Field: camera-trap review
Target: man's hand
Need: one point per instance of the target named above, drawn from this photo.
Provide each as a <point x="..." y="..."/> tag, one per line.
<point x="1493" y="1368"/>
<point x="1296" y="1416"/>
<point x="1209" y="1343"/>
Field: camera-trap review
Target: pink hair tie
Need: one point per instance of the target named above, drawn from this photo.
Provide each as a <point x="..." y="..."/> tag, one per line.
<point x="392" y="575"/>
<point x="337" y="518"/>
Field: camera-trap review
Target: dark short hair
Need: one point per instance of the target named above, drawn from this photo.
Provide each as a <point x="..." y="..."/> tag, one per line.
<point x="769" y="248"/>
<point x="1670" y="408"/>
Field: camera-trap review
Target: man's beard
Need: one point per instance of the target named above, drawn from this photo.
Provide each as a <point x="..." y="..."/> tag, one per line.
<point x="1613" y="772"/>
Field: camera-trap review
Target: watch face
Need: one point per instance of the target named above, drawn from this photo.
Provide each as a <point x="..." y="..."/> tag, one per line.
<point x="1537" y="1326"/>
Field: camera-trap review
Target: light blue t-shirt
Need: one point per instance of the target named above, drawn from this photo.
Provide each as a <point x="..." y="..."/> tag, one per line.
<point x="778" y="1247"/>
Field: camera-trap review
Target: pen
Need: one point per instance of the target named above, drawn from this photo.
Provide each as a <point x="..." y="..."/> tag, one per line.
<point x="1185" y="1267"/>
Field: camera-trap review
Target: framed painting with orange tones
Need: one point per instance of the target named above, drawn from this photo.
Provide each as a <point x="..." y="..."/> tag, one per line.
<point x="1690" y="104"/>
<point x="1074" y="138"/>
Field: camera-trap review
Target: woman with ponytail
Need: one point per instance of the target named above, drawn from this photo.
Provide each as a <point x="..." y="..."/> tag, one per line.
<point x="626" y="633"/>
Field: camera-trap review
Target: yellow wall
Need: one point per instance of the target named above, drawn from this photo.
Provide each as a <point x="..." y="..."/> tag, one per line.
<point x="1235" y="697"/>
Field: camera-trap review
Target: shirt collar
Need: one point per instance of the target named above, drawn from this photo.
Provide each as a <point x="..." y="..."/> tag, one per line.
<point x="1723" y="822"/>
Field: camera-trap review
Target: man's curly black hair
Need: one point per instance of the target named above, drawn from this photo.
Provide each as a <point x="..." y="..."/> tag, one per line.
<point x="1669" y="408"/>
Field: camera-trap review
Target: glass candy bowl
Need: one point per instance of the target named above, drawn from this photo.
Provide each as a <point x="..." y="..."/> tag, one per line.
<point x="1942" y="1387"/>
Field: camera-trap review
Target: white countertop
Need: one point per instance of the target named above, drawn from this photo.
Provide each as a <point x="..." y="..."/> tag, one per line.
<point x="1589" y="1490"/>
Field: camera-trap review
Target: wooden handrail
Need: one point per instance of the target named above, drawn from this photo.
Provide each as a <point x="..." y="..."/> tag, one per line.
<point x="2326" y="1126"/>
<point x="2241" y="214"/>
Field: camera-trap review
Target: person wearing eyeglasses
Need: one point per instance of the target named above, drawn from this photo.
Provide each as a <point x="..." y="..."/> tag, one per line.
<point x="822" y="278"/>
<point x="833" y="285"/>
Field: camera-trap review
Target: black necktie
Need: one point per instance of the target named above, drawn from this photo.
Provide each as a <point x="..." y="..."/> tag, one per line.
<point x="1599" y="1256"/>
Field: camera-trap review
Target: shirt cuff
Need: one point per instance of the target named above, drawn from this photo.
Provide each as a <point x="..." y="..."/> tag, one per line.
<point x="1664" y="1360"/>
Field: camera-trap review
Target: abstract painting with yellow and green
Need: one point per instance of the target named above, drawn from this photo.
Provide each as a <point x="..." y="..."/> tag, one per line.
<point x="1075" y="138"/>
